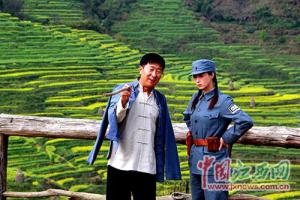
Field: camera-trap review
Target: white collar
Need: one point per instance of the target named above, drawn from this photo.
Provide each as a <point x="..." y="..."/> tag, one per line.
<point x="140" y="88"/>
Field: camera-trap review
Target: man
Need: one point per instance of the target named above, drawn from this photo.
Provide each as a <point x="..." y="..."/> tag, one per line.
<point x="143" y="148"/>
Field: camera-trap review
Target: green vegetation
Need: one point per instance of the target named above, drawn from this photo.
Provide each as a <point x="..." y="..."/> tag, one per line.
<point x="101" y="14"/>
<point x="285" y="195"/>
<point x="188" y="38"/>
<point x="12" y="6"/>
<point x="51" y="69"/>
<point x="54" y="12"/>
<point x="238" y="20"/>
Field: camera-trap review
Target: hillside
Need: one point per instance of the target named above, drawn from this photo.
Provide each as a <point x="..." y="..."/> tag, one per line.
<point x="57" y="71"/>
<point x="265" y="22"/>
<point x="188" y="37"/>
<point x="50" y="68"/>
<point x="69" y="13"/>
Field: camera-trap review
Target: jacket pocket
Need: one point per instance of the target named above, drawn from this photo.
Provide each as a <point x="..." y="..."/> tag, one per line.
<point x="212" y="115"/>
<point x="212" y="122"/>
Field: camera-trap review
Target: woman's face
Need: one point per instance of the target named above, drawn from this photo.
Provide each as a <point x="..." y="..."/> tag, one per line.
<point x="204" y="81"/>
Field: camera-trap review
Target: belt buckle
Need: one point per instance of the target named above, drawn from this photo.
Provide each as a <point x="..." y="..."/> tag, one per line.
<point x="213" y="144"/>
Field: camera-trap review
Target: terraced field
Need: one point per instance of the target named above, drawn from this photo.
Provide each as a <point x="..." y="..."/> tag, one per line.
<point x="184" y="35"/>
<point x="62" y="72"/>
<point x="54" y="12"/>
<point x="260" y="75"/>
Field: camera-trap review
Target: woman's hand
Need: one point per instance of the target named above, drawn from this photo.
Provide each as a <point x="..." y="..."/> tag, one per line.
<point x="189" y="142"/>
<point x="222" y="144"/>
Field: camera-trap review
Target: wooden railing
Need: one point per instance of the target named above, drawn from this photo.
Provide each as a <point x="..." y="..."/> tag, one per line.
<point x="28" y="126"/>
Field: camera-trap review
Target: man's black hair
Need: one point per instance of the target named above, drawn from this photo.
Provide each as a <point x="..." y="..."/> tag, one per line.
<point x="153" y="58"/>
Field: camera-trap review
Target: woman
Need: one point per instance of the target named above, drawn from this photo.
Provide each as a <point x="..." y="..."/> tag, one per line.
<point x="209" y="141"/>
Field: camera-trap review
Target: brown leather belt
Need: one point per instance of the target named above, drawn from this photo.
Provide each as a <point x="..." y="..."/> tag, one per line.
<point x="212" y="143"/>
<point x="200" y="142"/>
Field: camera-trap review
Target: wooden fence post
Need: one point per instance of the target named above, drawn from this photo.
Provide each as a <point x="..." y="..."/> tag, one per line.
<point x="3" y="164"/>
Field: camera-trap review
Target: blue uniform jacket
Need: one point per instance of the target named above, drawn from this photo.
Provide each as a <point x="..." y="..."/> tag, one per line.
<point x="204" y="123"/>
<point x="166" y="155"/>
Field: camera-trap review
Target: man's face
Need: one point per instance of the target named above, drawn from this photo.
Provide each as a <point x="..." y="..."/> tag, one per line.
<point x="150" y="75"/>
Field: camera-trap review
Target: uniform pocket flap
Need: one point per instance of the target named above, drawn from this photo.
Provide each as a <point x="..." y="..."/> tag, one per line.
<point x="212" y="115"/>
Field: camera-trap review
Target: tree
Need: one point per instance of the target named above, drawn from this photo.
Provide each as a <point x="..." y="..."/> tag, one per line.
<point x="230" y="85"/>
<point x="252" y="102"/>
<point x="13" y="7"/>
<point x="103" y="13"/>
<point x="298" y="39"/>
<point x="264" y="36"/>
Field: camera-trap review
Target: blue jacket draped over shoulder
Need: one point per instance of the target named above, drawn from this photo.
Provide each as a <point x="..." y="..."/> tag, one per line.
<point x="167" y="161"/>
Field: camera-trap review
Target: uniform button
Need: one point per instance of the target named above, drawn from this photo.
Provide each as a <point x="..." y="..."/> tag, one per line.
<point x="196" y="121"/>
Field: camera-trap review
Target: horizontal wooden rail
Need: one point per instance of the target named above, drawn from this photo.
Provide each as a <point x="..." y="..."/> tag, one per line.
<point x="28" y="126"/>
<point x="55" y="192"/>
<point x="90" y="196"/>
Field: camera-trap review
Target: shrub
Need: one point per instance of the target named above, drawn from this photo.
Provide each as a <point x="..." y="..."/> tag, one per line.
<point x="281" y="40"/>
<point x="12" y="6"/>
<point x="263" y="13"/>
<point x="250" y="29"/>
<point x="102" y="14"/>
<point x="264" y="36"/>
<point x="298" y="39"/>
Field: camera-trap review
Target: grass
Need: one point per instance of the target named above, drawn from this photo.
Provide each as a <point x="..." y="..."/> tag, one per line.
<point x="284" y="195"/>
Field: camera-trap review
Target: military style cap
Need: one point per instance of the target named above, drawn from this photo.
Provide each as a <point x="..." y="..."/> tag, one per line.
<point x="203" y="65"/>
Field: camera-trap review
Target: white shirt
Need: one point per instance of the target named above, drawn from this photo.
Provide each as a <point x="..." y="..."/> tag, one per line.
<point x="136" y="145"/>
